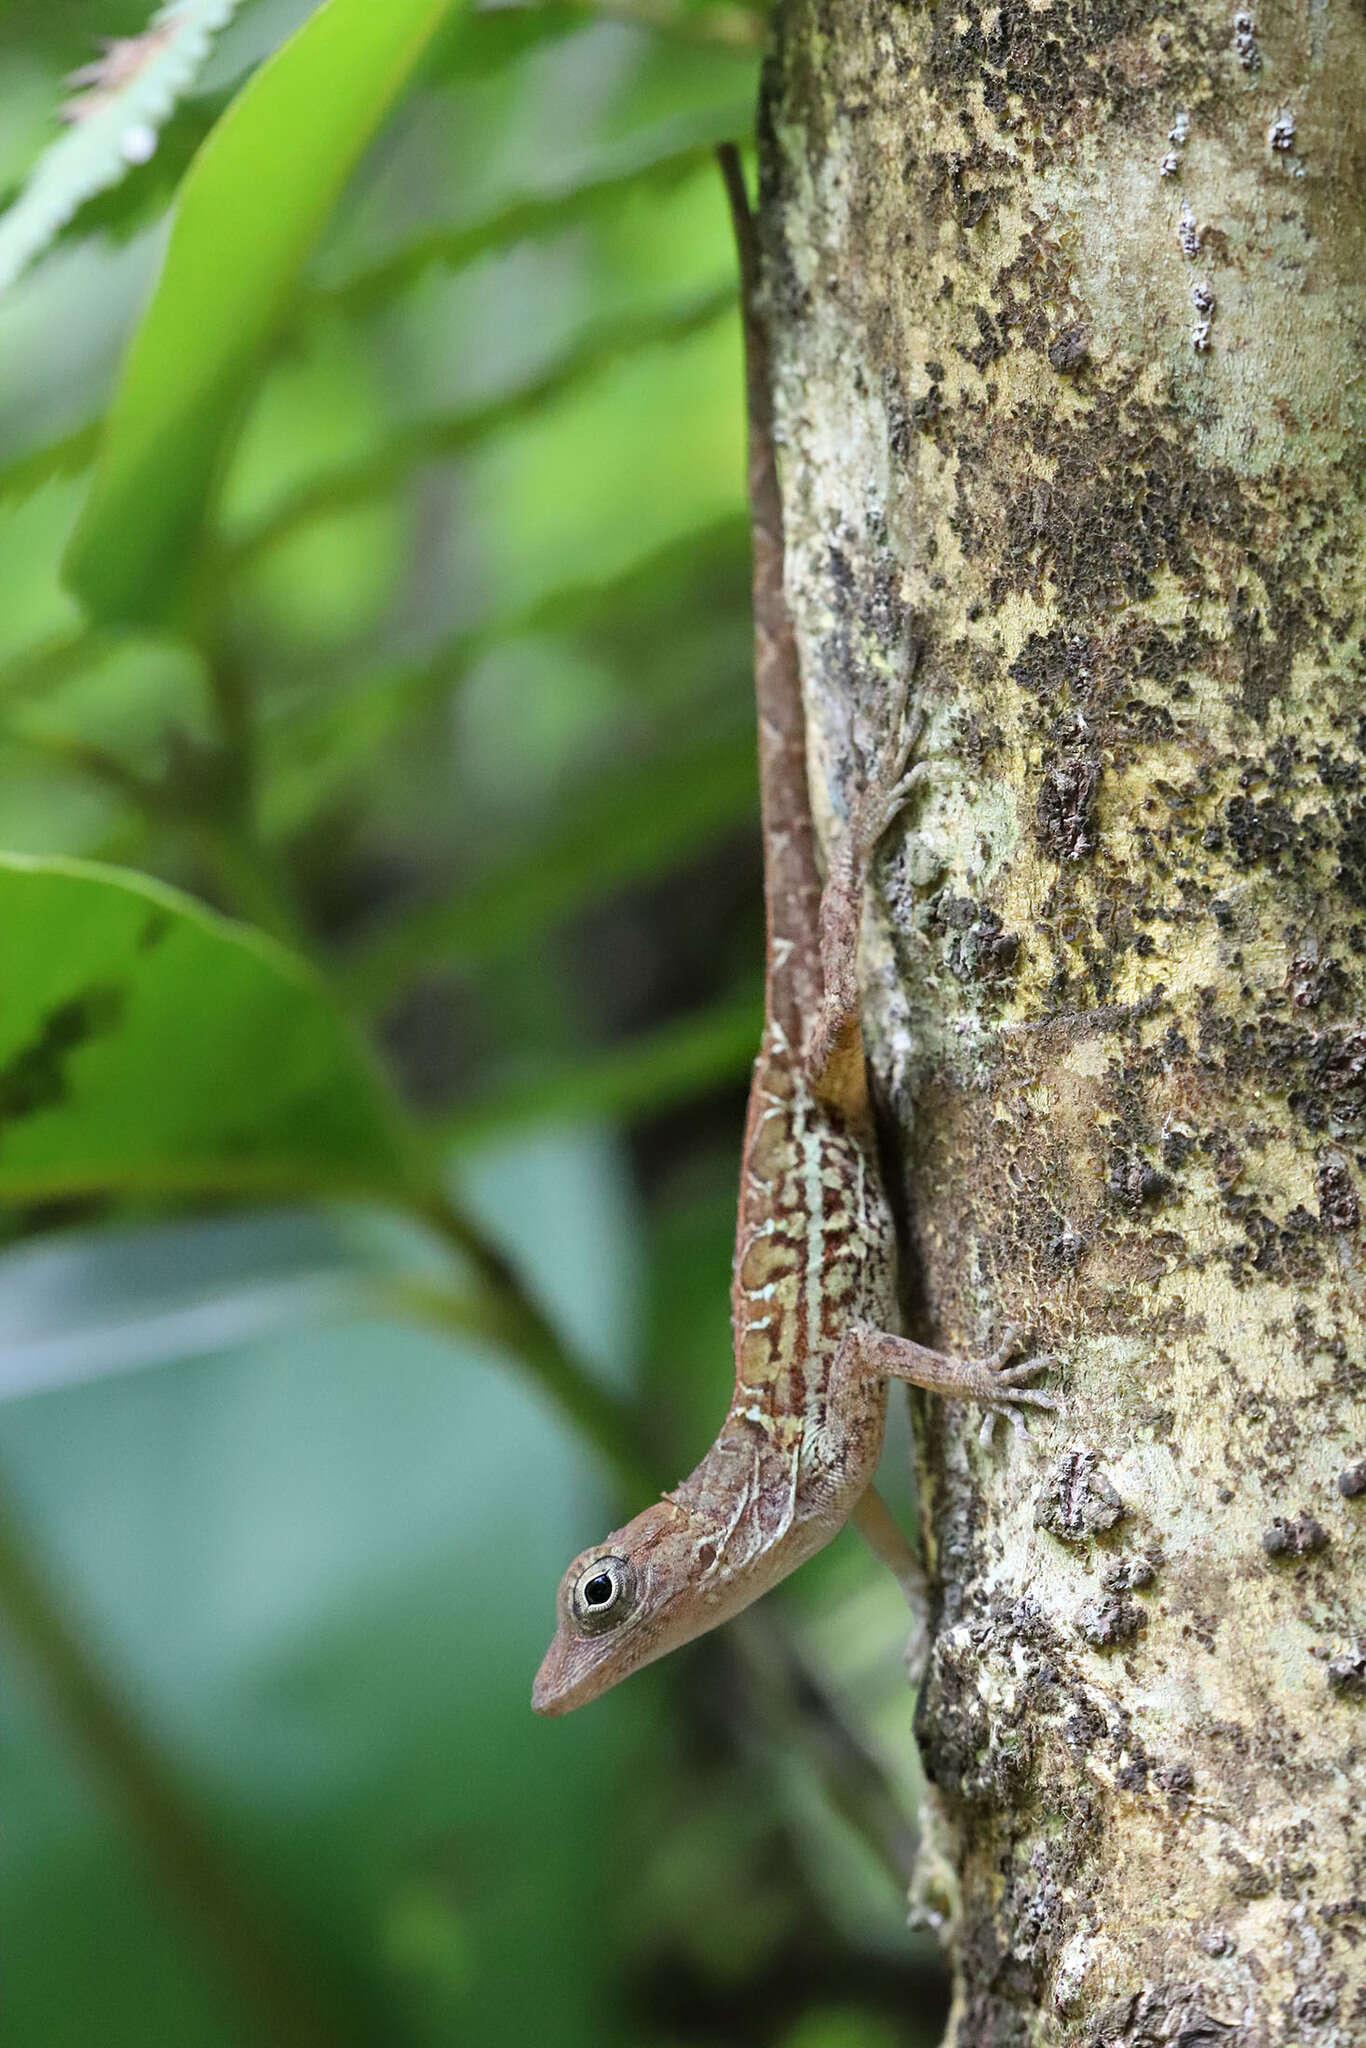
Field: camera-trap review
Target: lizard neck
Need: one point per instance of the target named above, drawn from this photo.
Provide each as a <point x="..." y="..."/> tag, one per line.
<point x="792" y="885"/>
<point x="747" y="1522"/>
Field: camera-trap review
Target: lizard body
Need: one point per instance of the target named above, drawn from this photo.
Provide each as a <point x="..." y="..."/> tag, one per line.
<point x="813" y="1293"/>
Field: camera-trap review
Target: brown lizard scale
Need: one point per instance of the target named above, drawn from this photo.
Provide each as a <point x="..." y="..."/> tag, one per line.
<point x="813" y="1251"/>
<point x="814" y="1256"/>
<point x="813" y="1291"/>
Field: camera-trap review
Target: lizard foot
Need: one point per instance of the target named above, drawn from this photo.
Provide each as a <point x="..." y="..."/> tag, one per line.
<point x="891" y="780"/>
<point x="1005" y="1387"/>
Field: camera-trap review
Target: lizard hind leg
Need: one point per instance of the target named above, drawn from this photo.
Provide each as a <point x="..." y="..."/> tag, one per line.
<point x="887" y="1540"/>
<point x="884" y="1536"/>
<point x="834" y="1055"/>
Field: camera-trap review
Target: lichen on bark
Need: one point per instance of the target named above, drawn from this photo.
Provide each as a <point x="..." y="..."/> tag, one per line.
<point x="1068" y="304"/>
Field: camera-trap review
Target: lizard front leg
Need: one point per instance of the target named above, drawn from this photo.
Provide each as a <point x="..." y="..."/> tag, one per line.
<point x="999" y="1383"/>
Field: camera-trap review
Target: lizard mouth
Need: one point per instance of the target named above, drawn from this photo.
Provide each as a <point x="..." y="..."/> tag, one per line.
<point x="577" y="1669"/>
<point x="547" y="1697"/>
<point x="558" y="1686"/>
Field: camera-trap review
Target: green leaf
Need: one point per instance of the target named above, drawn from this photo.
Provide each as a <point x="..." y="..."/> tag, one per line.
<point x="139" y="704"/>
<point x="79" y="1305"/>
<point x="148" y="1045"/>
<point x="628" y="825"/>
<point x="367" y="1466"/>
<point x="72" y="451"/>
<point x="252" y="207"/>
<point x="128" y="94"/>
<point x="663" y="158"/>
<point x="675" y="625"/>
<point x="676" y="1063"/>
<point x="467" y="427"/>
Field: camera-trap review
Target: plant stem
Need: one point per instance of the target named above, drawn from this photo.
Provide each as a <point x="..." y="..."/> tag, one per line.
<point x="510" y="1317"/>
<point x="252" y="885"/>
<point x="282" y="1992"/>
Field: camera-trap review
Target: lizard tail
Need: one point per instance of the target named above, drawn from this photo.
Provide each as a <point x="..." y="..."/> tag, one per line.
<point x="792" y="887"/>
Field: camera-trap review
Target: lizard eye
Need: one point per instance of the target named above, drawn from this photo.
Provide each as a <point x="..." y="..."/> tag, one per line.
<point x="603" y="1592"/>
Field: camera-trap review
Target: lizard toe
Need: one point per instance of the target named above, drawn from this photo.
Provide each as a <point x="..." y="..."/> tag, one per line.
<point x="1026" y="1369"/>
<point x="1012" y="1337"/>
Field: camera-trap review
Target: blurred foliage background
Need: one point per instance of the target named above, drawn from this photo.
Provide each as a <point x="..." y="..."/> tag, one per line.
<point x="366" y="1254"/>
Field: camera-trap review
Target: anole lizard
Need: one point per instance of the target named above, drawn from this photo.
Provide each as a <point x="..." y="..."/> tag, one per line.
<point x="814" y="1282"/>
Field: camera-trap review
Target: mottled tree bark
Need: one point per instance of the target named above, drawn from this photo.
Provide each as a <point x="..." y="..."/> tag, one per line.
<point x="1068" y="305"/>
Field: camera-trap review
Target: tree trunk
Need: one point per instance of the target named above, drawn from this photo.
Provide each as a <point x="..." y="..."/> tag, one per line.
<point x="1068" y="307"/>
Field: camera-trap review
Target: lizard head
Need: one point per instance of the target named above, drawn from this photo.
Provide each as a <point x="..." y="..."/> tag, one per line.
<point x="621" y="1604"/>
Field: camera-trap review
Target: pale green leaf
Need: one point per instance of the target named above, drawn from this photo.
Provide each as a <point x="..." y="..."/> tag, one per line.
<point x="252" y="206"/>
<point x="660" y="160"/>
<point x="129" y="93"/>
